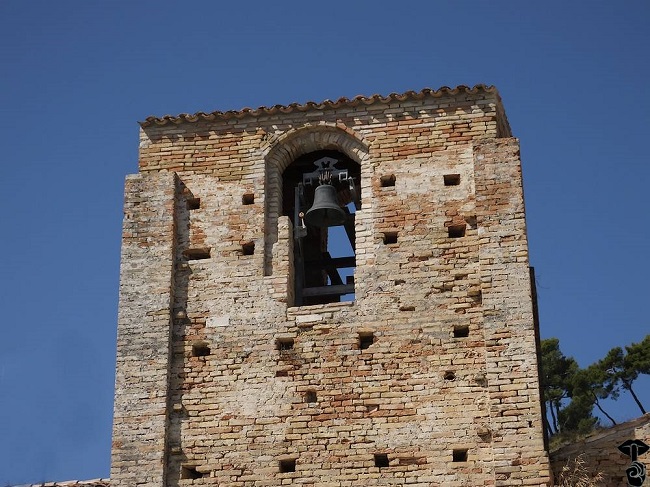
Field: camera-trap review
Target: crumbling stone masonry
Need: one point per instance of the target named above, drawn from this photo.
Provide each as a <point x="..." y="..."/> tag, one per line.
<point x="600" y="454"/>
<point x="428" y="377"/>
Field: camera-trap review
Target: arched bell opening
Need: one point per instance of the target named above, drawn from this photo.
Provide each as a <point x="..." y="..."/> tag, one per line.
<point x="321" y="194"/>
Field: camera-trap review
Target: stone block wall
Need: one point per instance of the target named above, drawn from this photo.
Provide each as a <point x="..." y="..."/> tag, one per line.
<point x="429" y="377"/>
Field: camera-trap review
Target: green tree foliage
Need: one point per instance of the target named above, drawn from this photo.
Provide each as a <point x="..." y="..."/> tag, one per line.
<point x="576" y="417"/>
<point x="590" y="382"/>
<point x="557" y="374"/>
<point x="639" y="355"/>
<point x="570" y="393"/>
<point x="622" y="367"/>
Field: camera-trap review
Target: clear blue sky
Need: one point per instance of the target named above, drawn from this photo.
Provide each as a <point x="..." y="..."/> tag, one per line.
<point x="77" y="75"/>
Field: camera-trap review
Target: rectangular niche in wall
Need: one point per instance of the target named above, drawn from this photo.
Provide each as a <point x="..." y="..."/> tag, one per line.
<point x="387" y="181"/>
<point x="459" y="455"/>
<point x="248" y="248"/>
<point x="310" y="396"/>
<point x="381" y="460"/>
<point x="451" y="179"/>
<point x="190" y="472"/>
<point x="193" y="203"/>
<point x="197" y="253"/>
<point x="390" y="238"/>
<point x="284" y="344"/>
<point x="461" y="331"/>
<point x="200" y="349"/>
<point x="456" y="231"/>
<point x="366" y="339"/>
<point x="287" y="465"/>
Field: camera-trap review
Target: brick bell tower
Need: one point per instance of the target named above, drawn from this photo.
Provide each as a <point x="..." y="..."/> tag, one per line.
<point x="329" y="294"/>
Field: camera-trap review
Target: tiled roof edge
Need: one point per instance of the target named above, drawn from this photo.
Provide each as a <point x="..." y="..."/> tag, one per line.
<point x="310" y="105"/>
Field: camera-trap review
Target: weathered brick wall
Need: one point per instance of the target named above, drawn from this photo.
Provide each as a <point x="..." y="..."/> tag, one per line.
<point x="600" y="451"/>
<point x="144" y="330"/>
<point x="507" y="313"/>
<point x="452" y="366"/>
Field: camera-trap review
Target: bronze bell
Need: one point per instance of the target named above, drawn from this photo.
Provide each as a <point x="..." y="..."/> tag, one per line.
<point x="325" y="212"/>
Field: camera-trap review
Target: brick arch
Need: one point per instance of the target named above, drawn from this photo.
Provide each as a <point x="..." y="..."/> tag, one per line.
<point x="297" y="142"/>
<point x="286" y="149"/>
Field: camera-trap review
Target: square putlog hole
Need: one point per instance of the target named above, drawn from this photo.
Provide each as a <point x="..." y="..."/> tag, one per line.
<point x="200" y="349"/>
<point x="310" y="397"/>
<point x="286" y="466"/>
<point x="193" y="203"/>
<point x="190" y="472"/>
<point x="365" y="340"/>
<point x="456" y="231"/>
<point x="381" y="460"/>
<point x="248" y="199"/>
<point x="248" y="248"/>
<point x="387" y="181"/>
<point x="451" y="179"/>
<point x="461" y="331"/>
<point x="284" y="344"/>
<point x="459" y="455"/>
<point x="390" y="238"/>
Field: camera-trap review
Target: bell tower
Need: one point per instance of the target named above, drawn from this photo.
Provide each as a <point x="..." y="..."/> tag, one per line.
<point x="329" y="294"/>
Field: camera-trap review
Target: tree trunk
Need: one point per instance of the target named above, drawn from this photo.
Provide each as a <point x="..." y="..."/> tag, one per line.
<point x="554" y="417"/>
<point x="636" y="399"/>
<point x="549" y="430"/>
<point x="601" y="409"/>
<point x="549" y="426"/>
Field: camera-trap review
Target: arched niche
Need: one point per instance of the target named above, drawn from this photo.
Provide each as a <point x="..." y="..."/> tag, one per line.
<point x="293" y="153"/>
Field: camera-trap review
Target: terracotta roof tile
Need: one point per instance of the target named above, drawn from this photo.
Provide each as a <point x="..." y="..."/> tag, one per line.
<point x="310" y="105"/>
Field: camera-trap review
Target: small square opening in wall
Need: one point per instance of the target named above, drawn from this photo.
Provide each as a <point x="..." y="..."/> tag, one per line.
<point x="461" y="331"/>
<point x="459" y="455"/>
<point x="310" y="396"/>
<point x="456" y="231"/>
<point x="200" y="349"/>
<point x="381" y="460"/>
<point x="248" y="199"/>
<point x="193" y="203"/>
<point x="284" y="344"/>
<point x="449" y="375"/>
<point x="390" y="238"/>
<point x="387" y="181"/>
<point x="190" y="472"/>
<point x="365" y="340"/>
<point x="288" y="465"/>
<point x="248" y="248"/>
<point x="451" y="179"/>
